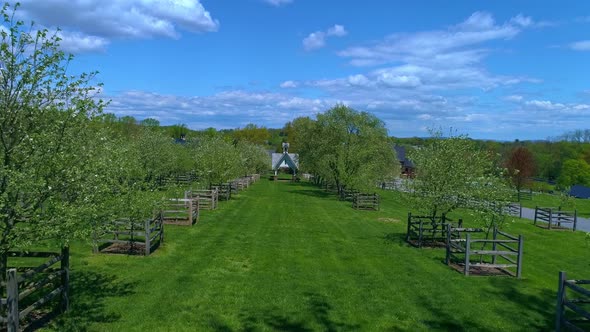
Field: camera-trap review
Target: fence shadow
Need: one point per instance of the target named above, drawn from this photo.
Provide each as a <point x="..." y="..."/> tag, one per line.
<point x="89" y="292"/>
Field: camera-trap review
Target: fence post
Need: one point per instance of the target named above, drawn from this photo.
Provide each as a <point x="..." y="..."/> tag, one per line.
<point x="494" y="245"/>
<point x="560" y="300"/>
<point x="575" y="219"/>
<point x="520" y="210"/>
<point x="65" y="278"/>
<point x="448" y="257"/>
<point x="536" y="211"/>
<point x="467" y="249"/>
<point x="550" y="217"/>
<point x="519" y="258"/>
<point x="409" y="226"/>
<point x="12" y="300"/>
<point x="148" y="245"/>
<point x="420" y="230"/>
<point x="190" y="212"/>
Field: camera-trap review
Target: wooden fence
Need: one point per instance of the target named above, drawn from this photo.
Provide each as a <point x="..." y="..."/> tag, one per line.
<point x="177" y="179"/>
<point x="33" y="288"/>
<point x="555" y="217"/>
<point x="513" y="209"/>
<point x="224" y="190"/>
<point x="329" y="187"/>
<point x="523" y="195"/>
<point x="479" y="255"/>
<point x="127" y="236"/>
<point x="348" y="194"/>
<point x="181" y="211"/>
<point x="363" y="201"/>
<point x="428" y="231"/>
<point x="573" y="311"/>
<point x="208" y="199"/>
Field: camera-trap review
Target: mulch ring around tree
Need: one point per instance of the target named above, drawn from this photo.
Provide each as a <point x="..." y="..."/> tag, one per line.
<point x="481" y="271"/>
<point x="124" y="248"/>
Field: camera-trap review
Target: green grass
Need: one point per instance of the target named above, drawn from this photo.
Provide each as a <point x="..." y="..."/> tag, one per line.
<point x="549" y="200"/>
<point x="286" y="256"/>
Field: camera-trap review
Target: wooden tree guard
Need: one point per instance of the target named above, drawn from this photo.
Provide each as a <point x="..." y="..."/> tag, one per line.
<point x="555" y="217"/>
<point x="363" y="201"/>
<point x="43" y="281"/>
<point x="428" y="231"/>
<point x="492" y="256"/>
<point x="224" y="190"/>
<point x="148" y="234"/>
<point x="208" y="199"/>
<point x="181" y="211"/>
<point x="573" y="312"/>
<point x="513" y="209"/>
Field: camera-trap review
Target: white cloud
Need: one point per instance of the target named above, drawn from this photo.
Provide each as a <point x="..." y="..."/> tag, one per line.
<point x="317" y="39"/>
<point x="523" y="21"/>
<point x="75" y="42"/>
<point x="288" y="84"/>
<point x="96" y="23"/>
<point x="226" y="109"/>
<point x="337" y="31"/>
<point x="479" y="28"/>
<point x="314" y="41"/>
<point x="514" y="98"/>
<point x="278" y="2"/>
<point x="583" y="45"/>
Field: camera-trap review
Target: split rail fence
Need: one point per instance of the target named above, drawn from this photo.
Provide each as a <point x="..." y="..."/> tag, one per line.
<point x="32" y="288"/>
<point x="208" y="199"/>
<point x="555" y="217"/>
<point x="573" y="310"/>
<point x="147" y="235"/>
<point x="181" y="211"/>
<point x="502" y="253"/>
<point x="428" y="231"/>
<point x="363" y="201"/>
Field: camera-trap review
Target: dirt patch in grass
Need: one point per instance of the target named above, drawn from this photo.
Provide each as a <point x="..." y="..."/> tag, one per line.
<point x="388" y="220"/>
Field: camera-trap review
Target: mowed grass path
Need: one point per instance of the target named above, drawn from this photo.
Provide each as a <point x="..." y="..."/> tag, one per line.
<point x="285" y="256"/>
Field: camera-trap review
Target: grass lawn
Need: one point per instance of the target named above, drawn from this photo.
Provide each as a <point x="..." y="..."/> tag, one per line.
<point x="548" y="200"/>
<point x="286" y="256"/>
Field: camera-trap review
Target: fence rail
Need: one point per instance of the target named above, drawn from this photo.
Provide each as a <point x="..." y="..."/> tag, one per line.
<point x="181" y="211"/>
<point x="573" y="312"/>
<point x="555" y="217"/>
<point x="363" y="201"/>
<point x="490" y="256"/>
<point x="427" y="230"/>
<point x="34" y="288"/>
<point x="208" y="199"/>
<point x="513" y="209"/>
<point x="224" y="190"/>
<point x="148" y="234"/>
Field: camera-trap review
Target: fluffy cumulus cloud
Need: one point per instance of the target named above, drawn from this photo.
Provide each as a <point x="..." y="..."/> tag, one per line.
<point x="226" y="109"/>
<point x="278" y="3"/>
<point x="317" y="39"/>
<point x="89" y="25"/>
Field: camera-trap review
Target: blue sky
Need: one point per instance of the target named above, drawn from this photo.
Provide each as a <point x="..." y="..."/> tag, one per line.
<point x="499" y="70"/>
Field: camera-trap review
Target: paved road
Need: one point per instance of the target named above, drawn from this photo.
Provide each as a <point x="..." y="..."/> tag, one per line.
<point x="583" y="223"/>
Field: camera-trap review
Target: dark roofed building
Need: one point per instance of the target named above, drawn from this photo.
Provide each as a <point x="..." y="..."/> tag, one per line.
<point x="580" y="191"/>
<point x="407" y="166"/>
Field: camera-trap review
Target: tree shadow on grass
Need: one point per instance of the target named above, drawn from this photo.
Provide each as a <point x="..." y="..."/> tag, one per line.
<point x="89" y="292"/>
<point x="395" y="238"/>
<point x="542" y="302"/>
<point x="318" y="308"/>
<point x="313" y="193"/>
<point x="446" y="319"/>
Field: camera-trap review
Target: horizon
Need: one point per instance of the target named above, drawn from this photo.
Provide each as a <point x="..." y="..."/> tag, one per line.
<point x="494" y="71"/>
